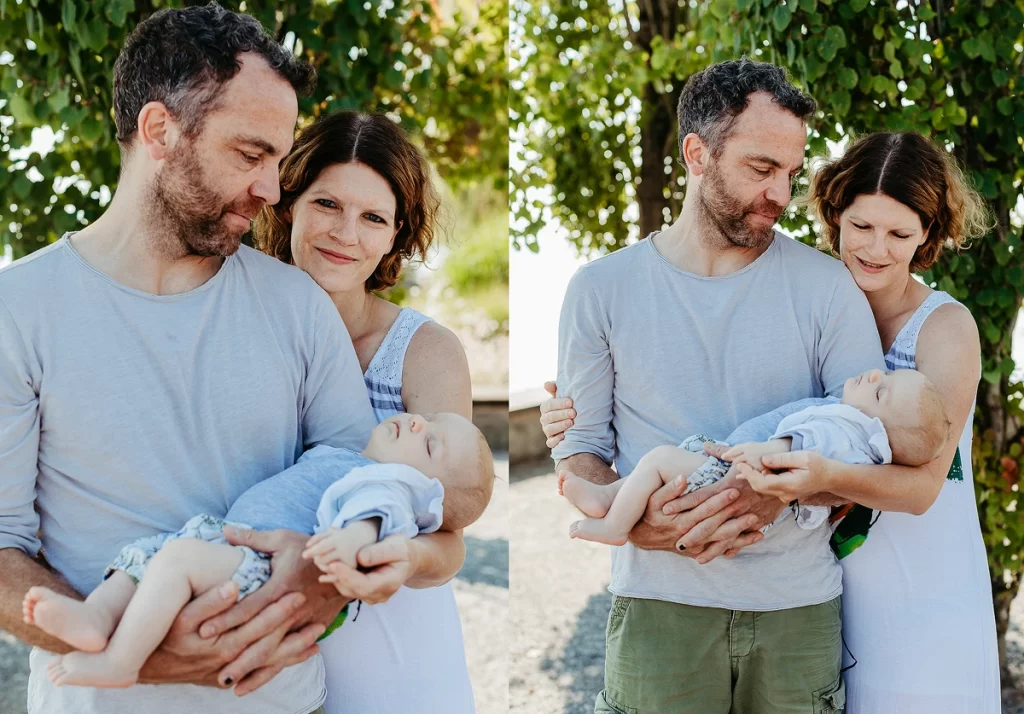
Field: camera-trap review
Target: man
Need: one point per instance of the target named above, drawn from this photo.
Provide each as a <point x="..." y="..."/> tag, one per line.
<point x="700" y="327"/>
<point x="152" y="369"/>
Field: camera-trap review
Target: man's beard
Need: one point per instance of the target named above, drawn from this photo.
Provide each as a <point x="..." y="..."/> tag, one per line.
<point x="722" y="213"/>
<point x="188" y="214"/>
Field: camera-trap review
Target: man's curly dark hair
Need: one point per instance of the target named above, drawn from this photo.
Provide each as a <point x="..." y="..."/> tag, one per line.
<point x="181" y="57"/>
<point x="713" y="98"/>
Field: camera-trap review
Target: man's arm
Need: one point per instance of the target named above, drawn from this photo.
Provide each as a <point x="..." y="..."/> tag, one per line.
<point x="20" y="574"/>
<point x="589" y="467"/>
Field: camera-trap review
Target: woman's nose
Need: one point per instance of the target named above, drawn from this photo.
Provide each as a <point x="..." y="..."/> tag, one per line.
<point x="345" y="232"/>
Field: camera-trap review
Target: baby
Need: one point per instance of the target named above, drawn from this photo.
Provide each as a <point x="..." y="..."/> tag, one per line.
<point x="883" y="417"/>
<point x="350" y="500"/>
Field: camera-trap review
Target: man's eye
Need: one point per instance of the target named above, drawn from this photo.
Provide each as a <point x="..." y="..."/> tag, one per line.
<point x="249" y="158"/>
<point x="761" y="172"/>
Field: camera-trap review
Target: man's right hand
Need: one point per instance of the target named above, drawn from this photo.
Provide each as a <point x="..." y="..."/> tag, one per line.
<point x="185" y="657"/>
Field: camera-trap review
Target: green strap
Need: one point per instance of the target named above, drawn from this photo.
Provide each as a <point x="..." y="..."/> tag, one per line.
<point x="338" y="622"/>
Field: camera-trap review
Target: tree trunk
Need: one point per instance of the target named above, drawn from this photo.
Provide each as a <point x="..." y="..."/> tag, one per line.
<point x="658" y="126"/>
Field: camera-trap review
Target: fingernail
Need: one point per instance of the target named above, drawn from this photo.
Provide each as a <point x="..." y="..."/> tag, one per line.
<point x="681" y="547"/>
<point x="228" y="681"/>
<point x="226" y="590"/>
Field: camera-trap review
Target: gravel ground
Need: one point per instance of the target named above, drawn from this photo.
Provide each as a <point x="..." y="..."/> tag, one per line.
<point x="560" y="606"/>
<point x="481" y="590"/>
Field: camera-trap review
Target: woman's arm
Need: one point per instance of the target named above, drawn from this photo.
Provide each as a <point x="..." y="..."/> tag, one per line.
<point x="435" y="378"/>
<point x="949" y="354"/>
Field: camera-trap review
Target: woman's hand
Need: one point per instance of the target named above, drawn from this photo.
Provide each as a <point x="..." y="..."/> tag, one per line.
<point x="801" y="475"/>
<point x="556" y="416"/>
<point x="390" y="563"/>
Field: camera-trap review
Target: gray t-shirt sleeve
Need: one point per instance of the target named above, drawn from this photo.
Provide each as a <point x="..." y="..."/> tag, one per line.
<point x="762" y="428"/>
<point x="585" y="372"/>
<point x="19" y="440"/>
<point x="335" y="407"/>
<point x="849" y="343"/>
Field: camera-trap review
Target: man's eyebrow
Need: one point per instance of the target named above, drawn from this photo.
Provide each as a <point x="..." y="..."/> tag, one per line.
<point x="761" y="159"/>
<point x="261" y="144"/>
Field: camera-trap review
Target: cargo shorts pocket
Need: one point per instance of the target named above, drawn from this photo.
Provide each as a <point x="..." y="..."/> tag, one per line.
<point x="830" y="699"/>
<point x="608" y="705"/>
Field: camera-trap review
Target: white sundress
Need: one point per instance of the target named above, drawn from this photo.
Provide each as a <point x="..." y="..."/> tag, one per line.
<point x="917" y="600"/>
<point x="407" y="654"/>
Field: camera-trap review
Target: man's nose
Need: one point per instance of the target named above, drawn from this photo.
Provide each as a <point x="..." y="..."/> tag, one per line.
<point x="781" y="190"/>
<point x="267" y="186"/>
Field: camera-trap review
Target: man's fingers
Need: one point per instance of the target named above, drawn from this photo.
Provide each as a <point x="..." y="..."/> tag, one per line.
<point x="702" y="531"/>
<point x="705" y="519"/>
<point x="732" y="528"/>
<point x="712" y="551"/>
<point x="294" y="648"/>
<point x="262" y="541"/>
<point x="688" y="501"/>
<point x="243" y="611"/>
<point x="272" y="617"/>
<point x="743" y="541"/>
<point x="256" y="679"/>
<point x="210" y="604"/>
<point x="716" y="450"/>
<point x="670" y="491"/>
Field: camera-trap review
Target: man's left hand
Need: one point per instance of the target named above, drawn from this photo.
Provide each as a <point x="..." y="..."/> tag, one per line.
<point x="289" y="573"/>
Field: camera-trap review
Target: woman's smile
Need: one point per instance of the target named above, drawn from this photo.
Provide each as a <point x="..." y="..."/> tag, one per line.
<point x="336" y="258"/>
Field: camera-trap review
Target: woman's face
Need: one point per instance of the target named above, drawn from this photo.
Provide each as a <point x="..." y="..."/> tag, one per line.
<point x="343" y="225"/>
<point x="878" y="237"/>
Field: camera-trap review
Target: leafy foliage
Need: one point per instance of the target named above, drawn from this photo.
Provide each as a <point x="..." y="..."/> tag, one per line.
<point x="950" y="70"/>
<point x="442" y="78"/>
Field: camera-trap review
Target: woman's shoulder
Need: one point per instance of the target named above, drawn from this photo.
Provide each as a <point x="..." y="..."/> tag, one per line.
<point x="950" y="333"/>
<point x="433" y="343"/>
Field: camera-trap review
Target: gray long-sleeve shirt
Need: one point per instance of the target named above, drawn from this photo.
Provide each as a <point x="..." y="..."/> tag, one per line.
<point x="651" y="354"/>
<point x="124" y="414"/>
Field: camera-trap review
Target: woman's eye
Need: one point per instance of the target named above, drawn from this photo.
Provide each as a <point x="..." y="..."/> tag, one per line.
<point x="374" y="218"/>
<point x="901" y="236"/>
<point x="860" y="227"/>
<point x="326" y="203"/>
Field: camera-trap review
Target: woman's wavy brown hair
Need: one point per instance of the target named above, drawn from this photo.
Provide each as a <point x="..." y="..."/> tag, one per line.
<point x="379" y="143"/>
<point x="910" y="169"/>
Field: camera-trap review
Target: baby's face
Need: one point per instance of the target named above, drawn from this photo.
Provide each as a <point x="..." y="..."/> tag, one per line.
<point x="433" y="444"/>
<point x="885" y="395"/>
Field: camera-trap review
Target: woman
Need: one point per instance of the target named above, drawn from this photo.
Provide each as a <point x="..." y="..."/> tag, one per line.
<point x="356" y="204"/>
<point x="917" y="605"/>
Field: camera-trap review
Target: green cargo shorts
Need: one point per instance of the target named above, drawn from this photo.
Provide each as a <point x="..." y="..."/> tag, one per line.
<point x="665" y="658"/>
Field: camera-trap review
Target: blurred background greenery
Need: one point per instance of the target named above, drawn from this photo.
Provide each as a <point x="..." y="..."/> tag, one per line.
<point x="592" y="108"/>
<point x="437" y="67"/>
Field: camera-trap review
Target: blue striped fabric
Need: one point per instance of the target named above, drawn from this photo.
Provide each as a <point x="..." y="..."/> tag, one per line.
<point x="383" y="376"/>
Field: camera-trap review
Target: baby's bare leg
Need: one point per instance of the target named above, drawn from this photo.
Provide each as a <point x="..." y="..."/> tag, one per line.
<point x="85" y="625"/>
<point x="593" y="499"/>
<point x="654" y="470"/>
<point x="183" y="568"/>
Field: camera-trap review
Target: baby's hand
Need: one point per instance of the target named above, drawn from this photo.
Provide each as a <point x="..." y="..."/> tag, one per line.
<point x="341" y="544"/>
<point x="752" y="451"/>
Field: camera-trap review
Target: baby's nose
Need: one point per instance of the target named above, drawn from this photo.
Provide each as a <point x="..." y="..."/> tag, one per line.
<point x="874" y="375"/>
<point x="415" y="423"/>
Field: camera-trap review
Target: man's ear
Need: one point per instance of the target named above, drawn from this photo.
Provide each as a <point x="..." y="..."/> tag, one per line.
<point x="695" y="154"/>
<point x="157" y="130"/>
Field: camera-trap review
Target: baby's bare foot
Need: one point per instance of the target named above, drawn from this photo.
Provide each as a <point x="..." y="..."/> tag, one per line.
<point x="592" y="500"/>
<point x="90" y="670"/>
<point x="596" y="530"/>
<point x="72" y="621"/>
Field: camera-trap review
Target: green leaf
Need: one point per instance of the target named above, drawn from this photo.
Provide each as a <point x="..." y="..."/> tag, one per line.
<point x="118" y="10"/>
<point x="992" y="377"/>
<point x="833" y="41"/>
<point x="847" y="77"/>
<point x="1000" y="77"/>
<point x="21" y="110"/>
<point x="91" y="129"/>
<point x="58" y="99"/>
<point x="781" y="17"/>
<point x="896" y="69"/>
<point x="68" y="14"/>
<point x="1005" y="106"/>
<point x="880" y="84"/>
<point x="858" y="5"/>
<point x="889" y="51"/>
<point x="925" y="12"/>
<point x="878" y="31"/>
<point x="808" y="6"/>
<point x="22" y="186"/>
<point x="988" y="53"/>
<point x="841" y="102"/>
<point x="971" y="47"/>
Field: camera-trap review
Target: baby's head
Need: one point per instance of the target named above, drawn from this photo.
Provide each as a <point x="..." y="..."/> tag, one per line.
<point x="909" y="406"/>
<point x="444" y="446"/>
